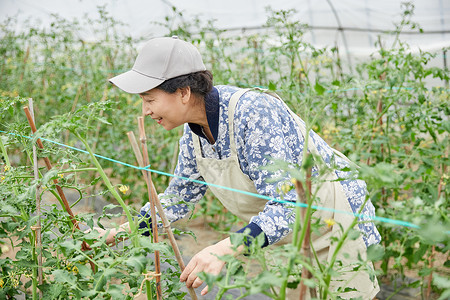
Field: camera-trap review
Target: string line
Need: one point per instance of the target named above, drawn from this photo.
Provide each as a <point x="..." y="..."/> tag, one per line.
<point x="268" y="198"/>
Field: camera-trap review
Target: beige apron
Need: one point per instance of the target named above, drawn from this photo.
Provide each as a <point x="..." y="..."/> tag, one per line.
<point x="227" y="172"/>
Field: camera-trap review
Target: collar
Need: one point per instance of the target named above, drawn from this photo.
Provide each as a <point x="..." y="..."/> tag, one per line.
<point x="212" y="115"/>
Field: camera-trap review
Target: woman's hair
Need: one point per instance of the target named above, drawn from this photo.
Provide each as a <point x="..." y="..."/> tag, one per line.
<point x="201" y="83"/>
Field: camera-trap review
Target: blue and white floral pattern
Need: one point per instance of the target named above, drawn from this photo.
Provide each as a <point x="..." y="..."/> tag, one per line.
<point x="264" y="129"/>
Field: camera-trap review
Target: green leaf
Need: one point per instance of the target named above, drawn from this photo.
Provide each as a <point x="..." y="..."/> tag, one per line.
<point x="425" y="271"/>
<point x="8" y="209"/>
<point x="319" y="89"/>
<point x="272" y="86"/>
<point x="67" y="247"/>
<point x="137" y="262"/>
<point x="264" y="281"/>
<point x="210" y="279"/>
<point x="434" y="232"/>
<point x="309" y="283"/>
<point x="52" y="291"/>
<point x="84" y="270"/>
<point x="52" y="174"/>
<point x="293" y="284"/>
<point x="375" y="252"/>
<point x="336" y="83"/>
<point x="147" y="243"/>
<point x="99" y="281"/>
<point x="353" y="234"/>
<point x="441" y="281"/>
<point x="445" y="295"/>
<point x="116" y="291"/>
<point x="63" y="276"/>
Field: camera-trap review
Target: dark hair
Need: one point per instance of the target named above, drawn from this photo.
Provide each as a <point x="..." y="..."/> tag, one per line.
<point x="201" y="83"/>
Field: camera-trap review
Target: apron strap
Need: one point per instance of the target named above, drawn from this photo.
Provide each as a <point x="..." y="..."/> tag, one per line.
<point x="231" y="109"/>
<point x="196" y="142"/>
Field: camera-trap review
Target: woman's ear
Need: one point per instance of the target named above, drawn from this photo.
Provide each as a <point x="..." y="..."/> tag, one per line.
<point x="185" y="93"/>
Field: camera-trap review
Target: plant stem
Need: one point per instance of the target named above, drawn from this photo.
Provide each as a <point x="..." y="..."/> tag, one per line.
<point x="8" y="163"/>
<point x="77" y="170"/>
<point x="35" y="271"/>
<point x="110" y="188"/>
<point x="149" y="290"/>
<point x="307" y="238"/>
<point x="339" y="246"/>
<point x="5" y="154"/>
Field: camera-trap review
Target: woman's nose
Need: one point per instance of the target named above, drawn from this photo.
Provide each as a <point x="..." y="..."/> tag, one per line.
<point x="146" y="111"/>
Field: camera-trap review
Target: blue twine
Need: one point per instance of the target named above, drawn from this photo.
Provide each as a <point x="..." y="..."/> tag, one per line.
<point x="147" y="168"/>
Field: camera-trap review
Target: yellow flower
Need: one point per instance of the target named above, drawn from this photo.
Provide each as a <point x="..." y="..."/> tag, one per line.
<point x="293" y="180"/>
<point x="75" y="269"/>
<point x="330" y="222"/>
<point x="7" y="168"/>
<point x="61" y="175"/>
<point x="123" y="189"/>
<point x="285" y="188"/>
<point x="2" y="178"/>
<point x="15" y="282"/>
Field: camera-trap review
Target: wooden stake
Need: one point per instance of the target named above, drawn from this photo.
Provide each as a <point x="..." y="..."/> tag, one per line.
<point x="84" y="245"/>
<point x="152" y="202"/>
<point x="38" y="207"/>
<point x="161" y="212"/>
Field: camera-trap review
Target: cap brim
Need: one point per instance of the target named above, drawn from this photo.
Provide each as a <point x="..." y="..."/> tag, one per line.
<point x="134" y="83"/>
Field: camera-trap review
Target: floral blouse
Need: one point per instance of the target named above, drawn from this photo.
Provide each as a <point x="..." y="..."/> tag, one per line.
<point x="263" y="130"/>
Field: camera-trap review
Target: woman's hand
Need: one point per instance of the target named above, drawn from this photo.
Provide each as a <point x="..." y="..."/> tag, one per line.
<point x="207" y="261"/>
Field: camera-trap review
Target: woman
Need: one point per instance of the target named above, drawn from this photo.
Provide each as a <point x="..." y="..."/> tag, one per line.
<point x="229" y="134"/>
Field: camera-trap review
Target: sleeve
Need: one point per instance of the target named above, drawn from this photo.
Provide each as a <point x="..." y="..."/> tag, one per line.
<point x="266" y="131"/>
<point x="182" y="194"/>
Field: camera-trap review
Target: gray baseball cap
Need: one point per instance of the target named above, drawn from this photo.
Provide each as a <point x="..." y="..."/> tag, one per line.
<point x="160" y="59"/>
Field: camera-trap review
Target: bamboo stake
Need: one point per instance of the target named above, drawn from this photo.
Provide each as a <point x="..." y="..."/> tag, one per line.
<point x="38" y="207"/>
<point x="162" y="215"/>
<point x="30" y="119"/>
<point x="152" y="201"/>
<point x="306" y="251"/>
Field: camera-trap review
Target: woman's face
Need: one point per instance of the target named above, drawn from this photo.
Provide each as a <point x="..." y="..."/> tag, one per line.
<point x="168" y="110"/>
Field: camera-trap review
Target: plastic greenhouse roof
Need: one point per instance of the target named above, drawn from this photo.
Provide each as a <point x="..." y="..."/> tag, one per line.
<point x="353" y="24"/>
